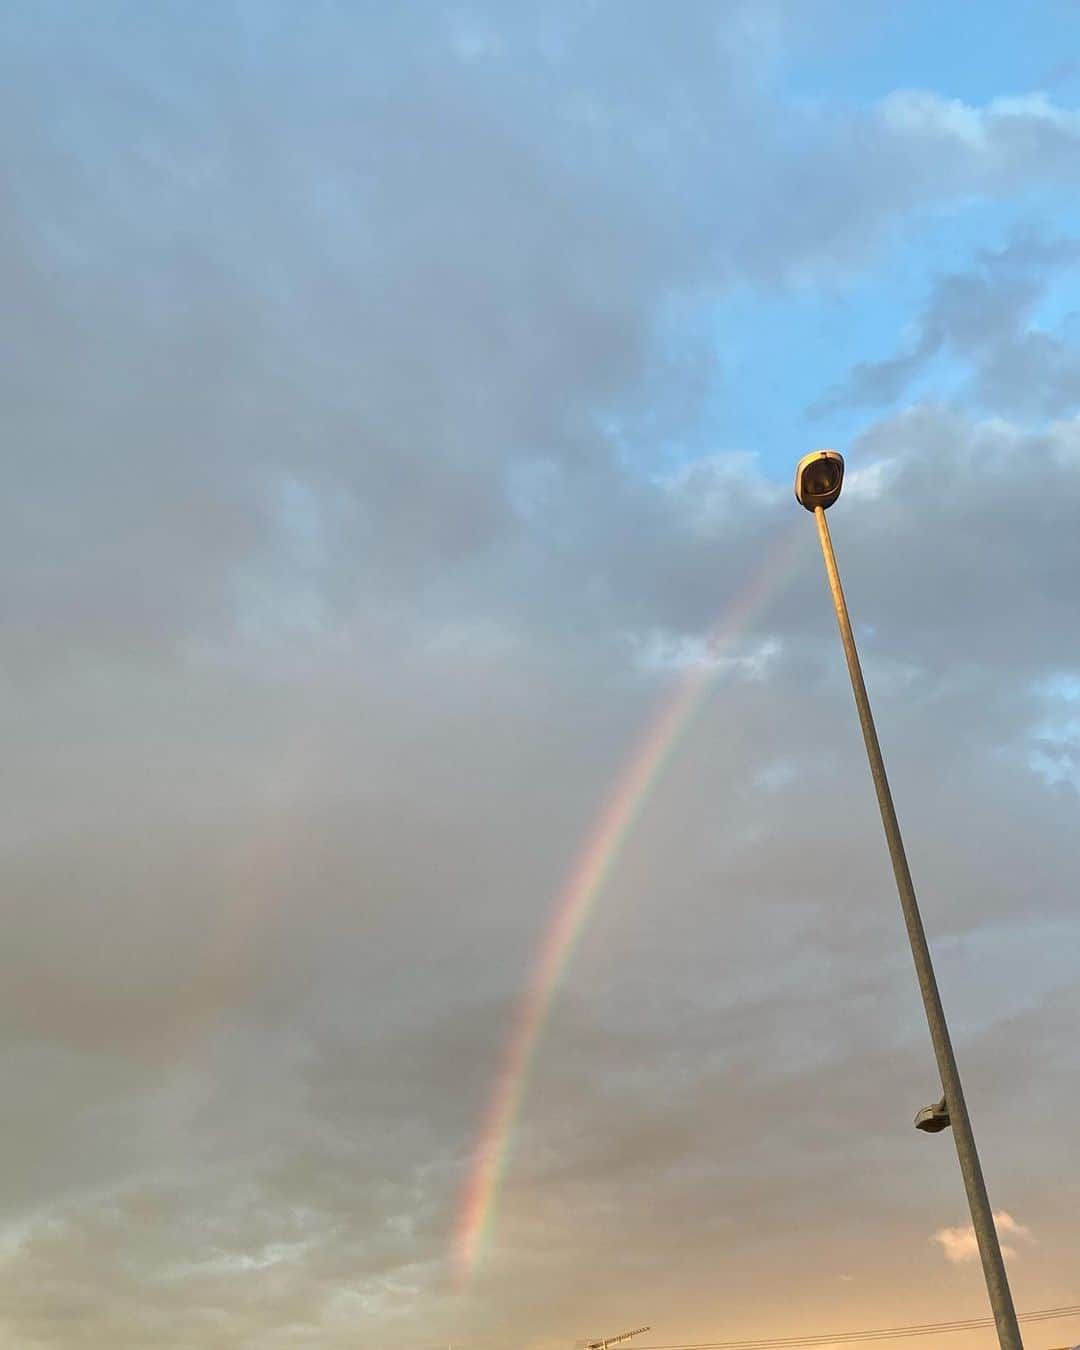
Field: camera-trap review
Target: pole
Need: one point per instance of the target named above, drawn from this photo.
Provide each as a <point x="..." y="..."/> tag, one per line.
<point x="997" y="1282"/>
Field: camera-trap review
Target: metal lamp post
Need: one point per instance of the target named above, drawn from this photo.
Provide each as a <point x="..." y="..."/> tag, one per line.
<point x="818" y="479"/>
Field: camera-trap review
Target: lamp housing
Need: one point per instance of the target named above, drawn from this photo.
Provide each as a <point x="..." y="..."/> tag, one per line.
<point x="819" y="477"/>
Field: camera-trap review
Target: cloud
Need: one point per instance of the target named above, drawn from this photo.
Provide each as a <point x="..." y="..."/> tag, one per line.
<point x="960" y="1245"/>
<point x="282" y="914"/>
<point x="345" y="565"/>
<point x="984" y="319"/>
<point x="405" y="274"/>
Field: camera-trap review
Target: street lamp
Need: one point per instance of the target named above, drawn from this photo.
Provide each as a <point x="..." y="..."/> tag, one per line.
<point x="818" y="479"/>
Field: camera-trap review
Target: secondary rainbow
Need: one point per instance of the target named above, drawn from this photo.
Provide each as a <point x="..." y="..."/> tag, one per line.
<point x="575" y="900"/>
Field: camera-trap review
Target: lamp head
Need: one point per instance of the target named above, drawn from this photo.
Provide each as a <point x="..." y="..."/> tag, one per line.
<point x="818" y="478"/>
<point x="933" y="1119"/>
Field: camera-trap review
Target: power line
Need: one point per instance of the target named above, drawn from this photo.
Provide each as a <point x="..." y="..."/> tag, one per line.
<point x="876" y="1334"/>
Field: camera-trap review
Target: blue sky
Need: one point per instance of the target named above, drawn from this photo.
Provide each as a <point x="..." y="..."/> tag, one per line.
<point x="969" y="51"/>
<point x="802" y="340"/>
<point x="781" y="351"/>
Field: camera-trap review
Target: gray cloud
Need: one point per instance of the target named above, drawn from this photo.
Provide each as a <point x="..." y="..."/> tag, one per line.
<point x="349" y="321"/>
<point x="983" y="319"/>
<point x="337" y="580"/>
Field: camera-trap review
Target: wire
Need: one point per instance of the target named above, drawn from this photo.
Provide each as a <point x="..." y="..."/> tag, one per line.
<point x="877" y="1334"/>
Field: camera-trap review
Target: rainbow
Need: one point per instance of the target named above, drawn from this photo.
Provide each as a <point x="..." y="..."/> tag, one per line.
<point x="575" y="900"/>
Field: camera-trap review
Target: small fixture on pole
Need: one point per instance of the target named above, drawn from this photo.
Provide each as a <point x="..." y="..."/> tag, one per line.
<point x="934" y="1118"/>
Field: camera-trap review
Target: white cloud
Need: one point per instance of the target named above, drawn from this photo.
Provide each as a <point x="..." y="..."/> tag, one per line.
<point x="960" y="1245"/>
<point x="920" y="112"/>
<point x="1004" y="132"/>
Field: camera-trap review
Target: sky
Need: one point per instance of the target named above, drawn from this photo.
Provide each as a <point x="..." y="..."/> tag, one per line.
<point x="444" y="897"/>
